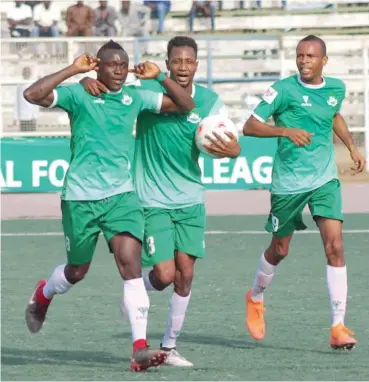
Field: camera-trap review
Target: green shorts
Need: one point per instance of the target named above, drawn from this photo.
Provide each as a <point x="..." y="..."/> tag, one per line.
<point x="167" y="230"/>
<point x="84" y="220"/>
<point x="286" y="210"/>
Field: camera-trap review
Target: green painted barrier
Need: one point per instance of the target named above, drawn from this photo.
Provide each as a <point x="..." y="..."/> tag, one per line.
<point x="39" y="165"/>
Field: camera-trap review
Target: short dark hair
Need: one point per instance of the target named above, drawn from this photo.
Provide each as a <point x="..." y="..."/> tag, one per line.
<point x="181" y="41"/>
<point x="111" y="45"/>
<point x="312" y="37"/>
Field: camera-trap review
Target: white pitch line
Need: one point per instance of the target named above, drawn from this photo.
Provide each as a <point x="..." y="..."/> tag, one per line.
<point x="268" y="233"/>
<point x="250" y="232"/>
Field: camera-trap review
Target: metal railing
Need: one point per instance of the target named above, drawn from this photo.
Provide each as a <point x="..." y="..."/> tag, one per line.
<point x="250" y="62"/>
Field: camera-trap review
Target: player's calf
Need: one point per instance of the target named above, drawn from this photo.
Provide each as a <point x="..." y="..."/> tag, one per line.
<point x="334" y="252"/>
<point x="161" y="276"/>
<point x="277" y="251"/>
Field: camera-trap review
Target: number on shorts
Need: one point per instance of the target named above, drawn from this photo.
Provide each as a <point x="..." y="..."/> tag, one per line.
<point x="150" y="242"/>
<point x="275" y="223"/>
<point x="67" y="243"/>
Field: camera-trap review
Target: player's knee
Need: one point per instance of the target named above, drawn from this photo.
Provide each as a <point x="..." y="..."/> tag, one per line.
<point x="334" y="251"/>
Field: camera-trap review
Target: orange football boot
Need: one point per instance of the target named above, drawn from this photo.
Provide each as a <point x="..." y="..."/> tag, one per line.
<point x="255" y="317"/>
<point x="341" y="337"/>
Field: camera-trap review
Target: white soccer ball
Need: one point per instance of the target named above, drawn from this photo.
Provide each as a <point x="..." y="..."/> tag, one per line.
<point x="215" y="123"/>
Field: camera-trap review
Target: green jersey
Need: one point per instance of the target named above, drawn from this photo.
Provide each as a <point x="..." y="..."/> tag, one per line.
<point x="101" y="139"/>
<point x="166" y="169"/>
<point x="292" y="103"/>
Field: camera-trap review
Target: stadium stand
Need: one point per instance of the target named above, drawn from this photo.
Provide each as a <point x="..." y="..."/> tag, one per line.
<point x="239" y="66"/>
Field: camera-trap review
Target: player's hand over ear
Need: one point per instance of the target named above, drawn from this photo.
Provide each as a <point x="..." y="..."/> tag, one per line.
<point x="224" y="147"/>
<point x="146" y="70"/>
<point x="94" y="87"/>
<point x="86" y="63"/>
<point x="299" y="137"/>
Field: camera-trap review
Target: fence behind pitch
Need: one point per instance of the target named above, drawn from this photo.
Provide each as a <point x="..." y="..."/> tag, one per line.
<point x="239" y="68"/>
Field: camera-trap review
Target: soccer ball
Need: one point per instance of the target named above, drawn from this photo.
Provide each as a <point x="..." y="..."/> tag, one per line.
<point x="215" y="123"/>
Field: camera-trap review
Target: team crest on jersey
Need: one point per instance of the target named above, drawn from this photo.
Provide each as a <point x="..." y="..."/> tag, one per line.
<point x="332" y="101"/>
<point x="306" y="101"/>
<point x="126" y="100"/>
<point x="194" y="118"/>
<point x="270" y="95"/>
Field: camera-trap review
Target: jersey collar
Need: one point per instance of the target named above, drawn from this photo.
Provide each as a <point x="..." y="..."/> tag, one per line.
<point x="193" y="90"/>
<point x="309" y="86"/>
<point x="111" y="92"/>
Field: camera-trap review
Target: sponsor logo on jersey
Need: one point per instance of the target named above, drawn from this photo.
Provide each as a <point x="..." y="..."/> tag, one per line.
<point x="270" y="95"/>
<point x="306" y="101"/>
<point x="99" y="101"/>
<point x="194" y="118"/>
<point x="332" y="101"/>
<point x="126" y="100"/>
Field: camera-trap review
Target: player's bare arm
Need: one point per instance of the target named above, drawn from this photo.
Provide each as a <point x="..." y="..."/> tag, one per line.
<point x="343" y="133"/>
<point x="94" y="87"/>
<point x="226" y="148"/>
<point x="41" y="92"/>
<point x="253" y="127"/>
<point x="177" y="99"/>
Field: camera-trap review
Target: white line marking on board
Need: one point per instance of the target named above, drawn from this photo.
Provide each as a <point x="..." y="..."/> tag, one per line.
<point x="250" y="232"/>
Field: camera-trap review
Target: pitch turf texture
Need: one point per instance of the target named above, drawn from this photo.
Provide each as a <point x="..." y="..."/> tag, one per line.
<point x="84" y="337"/>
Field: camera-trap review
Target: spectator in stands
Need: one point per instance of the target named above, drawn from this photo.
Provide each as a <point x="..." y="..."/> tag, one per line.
<point x="19" y="18"/>
<point x="159" y="10"/>
<point x="32" y="4"/>
<point x="46" y="17"/>
<point x="80" y="20"/>
<point x="105" y="18"/>
<point x="134" y="19"/>
<point x="203" y="8"/>
<point x="25" y="113"/>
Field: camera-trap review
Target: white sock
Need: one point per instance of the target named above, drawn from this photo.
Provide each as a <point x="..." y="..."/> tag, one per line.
<point x="337" y="288"/>
<point x="177" y="311"/>
<point x="264" y="276"/>
<point x="148" y="285"/>
<point x="57" y="283"/>
<point x="137" y="304"/>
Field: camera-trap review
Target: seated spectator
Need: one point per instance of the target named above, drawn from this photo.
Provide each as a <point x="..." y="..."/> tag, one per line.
<point x="204" y="8"/>
<point x="80" y="20"/>
<point x="134" y="20"/>
<point x="46" y="17"/>
<point x="159" y="10"/>
<point x="19" y="18"/>
<point x="105" y="18"/>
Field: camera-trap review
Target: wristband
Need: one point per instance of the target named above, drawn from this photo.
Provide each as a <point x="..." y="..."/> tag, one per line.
<point x="161" y="77"/>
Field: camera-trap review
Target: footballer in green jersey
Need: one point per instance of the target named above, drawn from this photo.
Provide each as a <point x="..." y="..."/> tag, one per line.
<point x="98" y="193"/>
<point x="167" y="180"/>
<point x="306" y="111"/>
